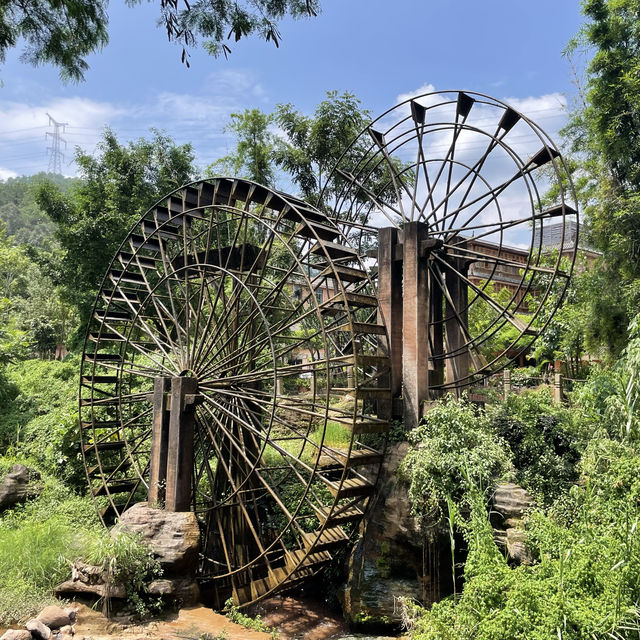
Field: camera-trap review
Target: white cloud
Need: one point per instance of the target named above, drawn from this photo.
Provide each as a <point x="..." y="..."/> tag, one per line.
<point x="420" y="91"/>
<point x="198" y="117"/>
<point x="7" y="173"/>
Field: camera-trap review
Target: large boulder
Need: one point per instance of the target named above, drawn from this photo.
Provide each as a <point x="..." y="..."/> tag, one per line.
<point x="54" y="617"/>
<point x="173" y="537"/>
<point x="39" y="631"/>
<point x="185" y="591"/>
<point x="393" y="556"/>
<point x="17" y="486"/>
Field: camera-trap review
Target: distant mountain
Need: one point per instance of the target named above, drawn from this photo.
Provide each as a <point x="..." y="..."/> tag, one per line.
<point x="21" y="214"/>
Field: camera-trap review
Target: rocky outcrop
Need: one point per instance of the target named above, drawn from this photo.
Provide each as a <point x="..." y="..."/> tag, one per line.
<point x="508" y="506"/>
<point x="393" y="556"/>
<point x="54" y="617"/>
<point x="39" y="631"/>
<point x="18" y="486"/>
<point x="16" y="634"/>
<point x="174" y="538"/>
<point x="89" y="580"/>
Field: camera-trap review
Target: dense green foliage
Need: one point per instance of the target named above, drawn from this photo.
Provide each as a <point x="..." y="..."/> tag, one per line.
<point x="218" y="21"/>
<point x="34" y="318"/>
<point x="603" y="131"/>
<point x="23" y="218"/>
<point x="39" y="417"/>
<point x="313" y="144"/>
<point x="60" y="33"/>
<point x="543" y="440"/>
<point x="254" y="146"/>
<point x="583" y="465"/>
<point x="40" y="539"/>
<point x="584" y="582"/>
<point x="117" y="187"/>
<point x="454" y="448"/>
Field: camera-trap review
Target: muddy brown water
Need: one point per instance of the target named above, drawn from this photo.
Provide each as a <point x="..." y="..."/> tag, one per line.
<point x="295" y="619"/>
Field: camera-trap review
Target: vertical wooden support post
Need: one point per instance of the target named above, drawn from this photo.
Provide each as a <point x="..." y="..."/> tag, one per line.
<point x="557" y="388"/>
<point x="456" y="321"/>
<point x="506" y="377"/>
<point x="180" y="455"/>
<point x="159" y="442"/>
<point x="437" y="331"/>
<point x="415" y="322"/>
<point x="390" y="300"/>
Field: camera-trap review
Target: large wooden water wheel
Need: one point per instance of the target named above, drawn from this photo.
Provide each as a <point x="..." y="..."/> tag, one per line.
<point x="476" y="244"/>
<point x="234" y="365"/>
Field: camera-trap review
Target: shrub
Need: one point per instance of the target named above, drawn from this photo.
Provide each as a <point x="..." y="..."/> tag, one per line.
<point x="452" y="449"/>
<point x="545" y="439"/>
<point x="256" y="624"/>
<point x="585" y="582"/>
<point x="40" y="539"/>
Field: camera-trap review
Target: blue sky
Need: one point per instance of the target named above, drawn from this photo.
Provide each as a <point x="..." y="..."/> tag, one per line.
<point x="381" y="51"/>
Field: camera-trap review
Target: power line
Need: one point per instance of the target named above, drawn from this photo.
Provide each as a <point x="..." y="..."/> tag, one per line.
<point x="56" y="156"/>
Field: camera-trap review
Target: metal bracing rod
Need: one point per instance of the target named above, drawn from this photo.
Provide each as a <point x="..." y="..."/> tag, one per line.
<point x="379" y="141"/>
<point x="84" y="424"/>
<point x="495" y="141"/>
<point x="381" y="206"/>
<point x="218" y="367"/>
<point x="440" y="281"/>
<point x="125" y="340"/>
<point x="271" y="406"/>
<point x="421" y="162"/>
<point x="516" y="322"/>
<point x="527" y="266"/>
<point x="204" y="447"/>
<point x="133" y="397"/>
<point x="458" y="128"/>
<point x="145" y="372"/>
<point x="171" y="314"/>
<point x="287" y="457"/>
<point x="141" y="438"/>
<point x="492" y="194"/>
<point x="498" y="225"/>
<point x="203" y="285"/>
<point x="241" y="504"/>
<point x="276" y="291"/>
<point x="206" y="330"/>
<point x="285" y="371"/>
<point x="265" y="336"/>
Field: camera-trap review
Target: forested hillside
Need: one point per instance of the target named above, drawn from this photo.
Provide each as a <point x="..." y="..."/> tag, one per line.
<point x="23" y="218"/>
